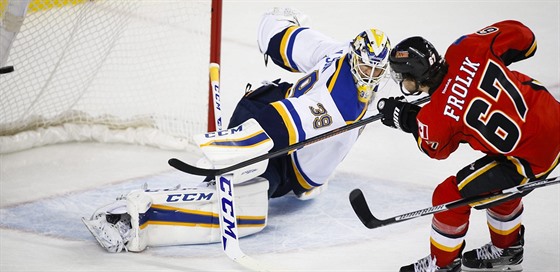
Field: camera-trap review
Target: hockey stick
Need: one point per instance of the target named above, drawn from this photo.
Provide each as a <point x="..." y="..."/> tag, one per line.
<point x="215" y="85"/>
<point x="228" y="225"/>
<point x="225" y="191"/>
<point x="191" y="169"/>
<point x="363" y="212"/>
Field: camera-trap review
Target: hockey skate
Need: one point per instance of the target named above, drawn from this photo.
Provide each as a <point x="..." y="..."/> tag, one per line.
<point x="112" y="231"/>
<point x="428" y="264"/>
<point x="492" y="258"/>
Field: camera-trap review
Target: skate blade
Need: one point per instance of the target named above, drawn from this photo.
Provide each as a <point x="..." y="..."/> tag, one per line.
<point x="504" y="268"/>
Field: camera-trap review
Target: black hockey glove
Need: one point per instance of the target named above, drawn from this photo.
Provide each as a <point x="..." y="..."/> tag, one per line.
<point x="398" y="114"/>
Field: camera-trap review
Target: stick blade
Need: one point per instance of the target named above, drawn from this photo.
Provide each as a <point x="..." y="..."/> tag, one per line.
<point x="190" y="169"/>
<point x="361" y="208"/>
<point x="252" y="264"/>
<point x="359" y="204"/>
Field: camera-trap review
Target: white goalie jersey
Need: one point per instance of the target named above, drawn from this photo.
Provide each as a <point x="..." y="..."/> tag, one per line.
<point x="325" y="98"/>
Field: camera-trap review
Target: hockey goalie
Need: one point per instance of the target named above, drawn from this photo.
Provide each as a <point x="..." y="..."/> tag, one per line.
<point x="339" y="80"/>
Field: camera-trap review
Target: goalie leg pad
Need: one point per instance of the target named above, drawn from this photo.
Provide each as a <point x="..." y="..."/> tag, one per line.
<point x="191" y="215"/>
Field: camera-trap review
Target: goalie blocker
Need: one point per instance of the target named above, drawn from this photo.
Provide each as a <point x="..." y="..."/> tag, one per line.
<point x="182" y="216"/>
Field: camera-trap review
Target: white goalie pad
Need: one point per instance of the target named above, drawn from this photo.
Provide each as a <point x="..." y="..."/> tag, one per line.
<point x="177" y="216"/>
<point x="228" y="147"/>
<point x="191" y="215"/>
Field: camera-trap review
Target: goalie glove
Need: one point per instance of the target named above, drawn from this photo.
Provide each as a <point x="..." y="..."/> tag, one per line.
<point x="291" y="15"/>
<point x="399" y="114"/>
<point x="275" y="21"/>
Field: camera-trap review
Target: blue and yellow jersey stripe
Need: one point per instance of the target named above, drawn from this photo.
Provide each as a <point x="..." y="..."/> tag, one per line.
<point x="302" y="179"/>
<point x="173" y="216"/>
<point x="332" y="80"/>
<point x="287" y="46"/>
<point x="281" y="47"/>
<point x="291" y="120"/>
<point x="344" y="92"/>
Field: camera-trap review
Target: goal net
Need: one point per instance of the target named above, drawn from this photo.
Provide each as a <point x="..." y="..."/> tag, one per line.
<point x="104" y="70"/>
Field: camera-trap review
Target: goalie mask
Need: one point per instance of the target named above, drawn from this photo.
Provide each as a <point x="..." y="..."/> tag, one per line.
<point x="415" y="59"/>
<point x="368" y="56"/>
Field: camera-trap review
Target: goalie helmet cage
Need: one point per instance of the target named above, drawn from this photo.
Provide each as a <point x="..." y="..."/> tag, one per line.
<point x="106" y="70"/>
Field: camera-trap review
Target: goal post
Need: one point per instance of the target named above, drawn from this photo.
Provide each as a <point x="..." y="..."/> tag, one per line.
<point x="215" y="51"/>
<point x="106" y="70"/>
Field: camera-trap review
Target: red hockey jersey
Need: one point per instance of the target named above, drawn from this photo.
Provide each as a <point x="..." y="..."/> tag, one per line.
<point x="493" y="109"/>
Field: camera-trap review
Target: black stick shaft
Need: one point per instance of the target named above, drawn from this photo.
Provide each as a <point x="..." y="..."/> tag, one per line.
<point x="187" y="168"/>
<point x="361" y="208"/>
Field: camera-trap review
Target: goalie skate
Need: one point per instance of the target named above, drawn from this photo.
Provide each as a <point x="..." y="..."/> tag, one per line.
<point x="109" y="236"/>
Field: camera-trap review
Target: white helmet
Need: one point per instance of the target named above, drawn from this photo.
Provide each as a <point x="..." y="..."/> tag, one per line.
<point x="369" y="59"/>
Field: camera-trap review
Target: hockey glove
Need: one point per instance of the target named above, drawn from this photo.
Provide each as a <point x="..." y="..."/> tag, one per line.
<point x="398" y="114"/>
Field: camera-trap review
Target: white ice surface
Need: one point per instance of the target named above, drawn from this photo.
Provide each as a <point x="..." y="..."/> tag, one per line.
<point x="45" y="191"/>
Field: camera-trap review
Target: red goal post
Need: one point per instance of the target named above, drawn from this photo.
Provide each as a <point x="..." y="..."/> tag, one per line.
<point x="215" y="51"/>
<point x="106" y="70"/>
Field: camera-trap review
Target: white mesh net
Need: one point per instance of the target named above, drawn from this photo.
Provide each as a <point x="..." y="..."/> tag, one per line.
<point x="125" y="67"/>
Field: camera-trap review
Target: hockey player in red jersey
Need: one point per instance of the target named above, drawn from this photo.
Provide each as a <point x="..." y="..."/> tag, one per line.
<point x="476" y="99"/>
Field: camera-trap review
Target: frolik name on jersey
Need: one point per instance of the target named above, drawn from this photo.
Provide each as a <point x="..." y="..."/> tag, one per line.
<point x="460" y="89"/>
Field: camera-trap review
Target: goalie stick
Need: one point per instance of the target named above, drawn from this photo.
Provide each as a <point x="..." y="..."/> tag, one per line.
<point x="215" y="85"/>
<point x="225" y="191"/>
<point x="191" y="169"/>
<point x="361" y="208"/>
<point x="229" y="224"/>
